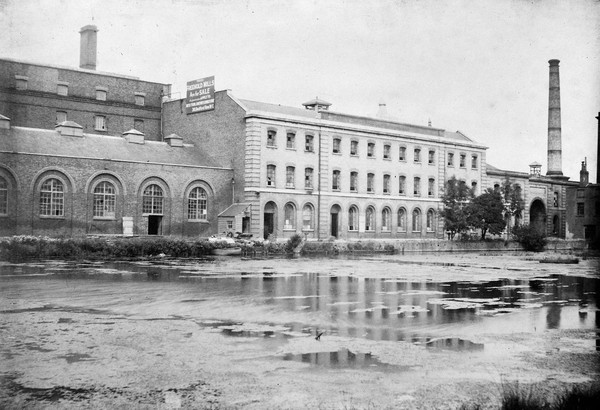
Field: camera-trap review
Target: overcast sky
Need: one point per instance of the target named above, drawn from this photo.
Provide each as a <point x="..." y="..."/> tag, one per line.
<point x="480" y="67"/>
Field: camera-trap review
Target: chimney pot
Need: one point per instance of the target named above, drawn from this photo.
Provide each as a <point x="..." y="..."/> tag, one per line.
<point x="87" y="50"/>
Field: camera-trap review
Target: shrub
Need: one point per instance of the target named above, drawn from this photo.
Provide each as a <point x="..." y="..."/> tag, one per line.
<point x="529" y="237"/>
<point x="293" y="242"/>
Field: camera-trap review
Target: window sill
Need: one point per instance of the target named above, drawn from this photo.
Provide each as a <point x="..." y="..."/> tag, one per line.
<point x="336" y="153"/>
<point x="308" y="230"/>
<point x="104" y="218"/>
<point x="309" y="152"/>
<point x="100" y="130"/>
<point x="289" y="229"/>
<point x="354" y="155"/>
<point x="290" y="149"/>
<point x="271" y="146"/>
<point x="401" y="160"/>
<point x="202" y="221"/>
<point x="290" y="187"/>
<point x="336" y="189"/>
<point x="387" y="159"/>
<point x="52" y="217"/>
<point x="151" y="214"/>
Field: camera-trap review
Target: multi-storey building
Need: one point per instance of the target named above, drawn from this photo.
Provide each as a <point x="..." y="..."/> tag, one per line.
<point x="325" y="174"/>
<point x="82" y="152"/>
<point x="40" y="96"/>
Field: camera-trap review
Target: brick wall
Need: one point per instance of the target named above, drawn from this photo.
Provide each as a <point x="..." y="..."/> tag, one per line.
<point x="25" y="174"/>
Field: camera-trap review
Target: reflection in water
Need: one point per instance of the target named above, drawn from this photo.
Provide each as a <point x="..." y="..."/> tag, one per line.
<point x="390" y="307"/>
<point x="454" y="343"/>
<point x="341" y="358"/>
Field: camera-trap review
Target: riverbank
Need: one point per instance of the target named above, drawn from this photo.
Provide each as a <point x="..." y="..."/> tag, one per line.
<point x="118" y="247"/>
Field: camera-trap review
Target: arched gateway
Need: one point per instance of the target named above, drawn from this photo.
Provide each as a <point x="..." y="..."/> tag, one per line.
<point x="537" y="215"/>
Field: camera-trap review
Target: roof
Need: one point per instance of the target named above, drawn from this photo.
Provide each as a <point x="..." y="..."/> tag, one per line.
<point x="277" y="109"/>
<point x="49" y="142"/>
<point x="250" y="105"/>
<point x="234" y="210"/>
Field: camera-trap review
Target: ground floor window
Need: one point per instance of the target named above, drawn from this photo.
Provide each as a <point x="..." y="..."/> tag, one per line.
<point x="104" y="200"/>
<point x="308" y="213"/>
<point x="370" y="219"/>
<point x="353" y="219"/>
<point x="152" y="200"/>
<point x="197" y="204"/>
<point x="52" y="198"/>
<point x="416" y="220"/>
<point x="289" y="216"/>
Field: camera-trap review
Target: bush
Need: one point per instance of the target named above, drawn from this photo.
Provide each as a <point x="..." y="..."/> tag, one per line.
<point x="293" y="242"/>
<point x="529" y="237"/>
<point x="31" y="247"/>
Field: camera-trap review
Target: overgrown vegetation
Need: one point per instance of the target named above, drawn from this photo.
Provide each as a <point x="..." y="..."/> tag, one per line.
<point x="515" y="396"/>
<point x="530" y="238"/>
<point x="32" y="247"/>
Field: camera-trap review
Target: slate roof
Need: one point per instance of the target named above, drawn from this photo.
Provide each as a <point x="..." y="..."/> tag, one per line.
<point x="335" y="116"/>
<point x="278" y="109"/>
<point x="234" y="210"/>
<point x="49" y="142"/>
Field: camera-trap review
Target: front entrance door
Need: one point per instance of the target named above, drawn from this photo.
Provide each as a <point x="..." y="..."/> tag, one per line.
<point x="269" y="219"/>
<point x="269" y="225"/>
<point x="245" y="224"/>
<point x="334" y="214"/>
<point x="154" y="224"/>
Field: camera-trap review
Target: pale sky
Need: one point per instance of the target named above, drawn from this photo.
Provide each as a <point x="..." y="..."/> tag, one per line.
<point x="480" y="67"/>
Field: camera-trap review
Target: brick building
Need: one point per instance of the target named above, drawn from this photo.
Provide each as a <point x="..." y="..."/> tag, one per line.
<point x="82" y="152"/>
<point x="324" y="174"/>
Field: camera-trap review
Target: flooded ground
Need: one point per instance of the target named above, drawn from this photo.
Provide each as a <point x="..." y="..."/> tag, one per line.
<point x="389" y="331"/>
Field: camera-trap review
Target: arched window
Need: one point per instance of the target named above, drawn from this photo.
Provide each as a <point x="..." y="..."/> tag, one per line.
<point x="416" y="220"/>
<point x="104" y="200"/>
<point x="3" y="197"/>
<point x="308" y="217"/>
<point x="289" y="216"/>
<point x="353" y="218"/>
<point x="430" y="221"/>
<point x="152" y="200"/>
<point x="52" y="198"/>
<point x="370" y="219"/>
<point x="197" y="204"/>
<point x="402" y="220"/>
<point x="386" y="220"/>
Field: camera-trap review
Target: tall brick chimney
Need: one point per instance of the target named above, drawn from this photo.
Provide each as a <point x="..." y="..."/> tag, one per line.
<point x="598" y="153"/>
<point x="87" y="49"/>
<point x="554" y="128"/>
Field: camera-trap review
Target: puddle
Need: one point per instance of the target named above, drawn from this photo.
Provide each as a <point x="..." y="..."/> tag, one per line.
<point x="455" y="344"/>
<point x="76" y="357"/>
<point x="340" y="359"/>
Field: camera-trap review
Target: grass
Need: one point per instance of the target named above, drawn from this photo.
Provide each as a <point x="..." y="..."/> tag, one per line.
<point x="515" y="396"/>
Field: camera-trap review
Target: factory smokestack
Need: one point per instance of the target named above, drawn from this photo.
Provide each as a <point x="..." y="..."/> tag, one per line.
<point x="554" y="128"/>
<point x="87" y="49"/>
<point x="598" y="153"/>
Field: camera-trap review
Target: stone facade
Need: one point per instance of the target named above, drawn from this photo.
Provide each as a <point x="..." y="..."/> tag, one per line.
<point x="324" y="174"/>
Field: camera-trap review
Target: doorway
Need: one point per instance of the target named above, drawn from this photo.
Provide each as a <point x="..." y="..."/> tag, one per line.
<point x="269" y="219"/>
<point x="335" y="220"/>
<point x="537" y="216"/>
<point x="154" y="224"/>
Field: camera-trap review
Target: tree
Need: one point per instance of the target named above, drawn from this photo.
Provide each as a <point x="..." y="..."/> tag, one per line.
<point x="513" y="202"/>
<point x="485" y="212"/>
<point x="455" y="198"/>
